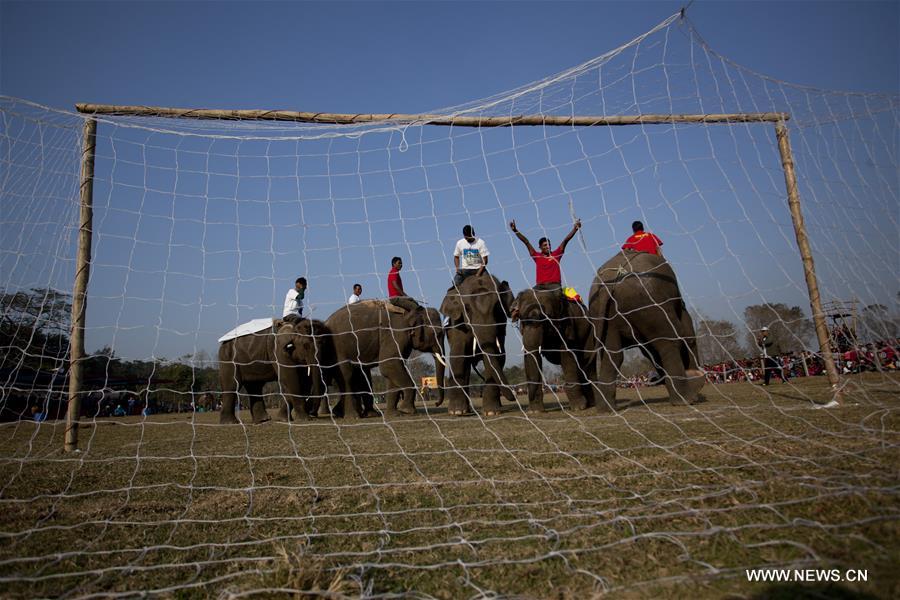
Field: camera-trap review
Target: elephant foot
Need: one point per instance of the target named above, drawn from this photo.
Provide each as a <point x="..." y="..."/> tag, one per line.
<point x="261" y="421"/>
<point x="536" y="410"/>
<point x="460" y="413"/>
<point x="406" y="410"/>
<point x="492" y="413"/>
<point x="227" y="419"/>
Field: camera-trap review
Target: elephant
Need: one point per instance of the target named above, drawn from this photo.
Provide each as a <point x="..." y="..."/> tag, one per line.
<point x="635" y="301"/>
<point x="477" y="311"/>
<point x="382" y="334"/>
<point x="558" y="329"/>
<point x="298" y="355"/>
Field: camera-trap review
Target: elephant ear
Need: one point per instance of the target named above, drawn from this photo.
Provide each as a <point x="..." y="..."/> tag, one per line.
<point x="452" y="306"/>
<point x="506" y="297"/>
<point x="417" y="322"/>
<point x="514" y="310"/>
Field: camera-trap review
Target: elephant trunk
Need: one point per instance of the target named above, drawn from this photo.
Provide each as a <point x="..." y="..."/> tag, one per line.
<point x="315" y="374"/>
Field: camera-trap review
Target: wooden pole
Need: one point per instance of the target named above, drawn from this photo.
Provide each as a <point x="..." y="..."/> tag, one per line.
<point x="812" y="285"/>
<point x="82" y="274"/>
<point x="422" y="119"/>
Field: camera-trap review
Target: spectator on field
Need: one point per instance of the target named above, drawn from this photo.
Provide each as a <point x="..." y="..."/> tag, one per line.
<point x="546" y="263"/>
<point x="770" y="365"/>
<point x="293" y="301"/>
<point x="470" y="256"/>
<point x="355" y="296"/>
<point x="642" y="241"/>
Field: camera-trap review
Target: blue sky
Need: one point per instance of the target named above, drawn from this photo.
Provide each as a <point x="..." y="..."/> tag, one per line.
<point x="198" y="233"/>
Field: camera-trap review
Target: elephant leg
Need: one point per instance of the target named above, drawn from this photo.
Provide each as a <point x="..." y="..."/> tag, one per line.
<point x="257" y="403"/>
<point x="391" y="397"/>
<point x="286" y="408"/>
<point x="362" y="382"/>
<point x="283" y="413"/>
<point x="496" y="383"/>
<point x="230" y="383"/>
<point x="490" y="400"/>
<point x="227" y="415"/>
<point x="304" y="405"/>
<point x="574" y="378"/>
<point x="401" y="384"/>
<point x="368" y="396"/>
<point x="588" y="371"/>
<point x="681" y="391"/>
<point x="535" y="378"/>
<point x="610" y="358"/>
<point x="350" y="407"/>
<point x="459" y="386"/>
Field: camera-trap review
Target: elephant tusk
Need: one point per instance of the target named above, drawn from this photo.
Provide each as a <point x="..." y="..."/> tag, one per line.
<point x="439" y="358"/>
<point x="500" y="345"/>
<point x="474" y="345"/>
<point x="308" y="370"/>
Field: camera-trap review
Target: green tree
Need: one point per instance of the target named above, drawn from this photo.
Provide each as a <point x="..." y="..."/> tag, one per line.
<point x="789" y="328"/>
<point x="34" y="328"/>
<point x="717" y="341"/>
<point x="876" y="323"/>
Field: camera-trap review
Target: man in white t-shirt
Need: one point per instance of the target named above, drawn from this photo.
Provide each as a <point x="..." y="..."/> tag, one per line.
<point x="470" y="256"/>
<point x="293" y="301"/>
<point x="355" y="296"/>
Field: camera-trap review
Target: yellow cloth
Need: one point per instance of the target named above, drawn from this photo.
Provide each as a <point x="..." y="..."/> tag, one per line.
<point x="571" y="294"/>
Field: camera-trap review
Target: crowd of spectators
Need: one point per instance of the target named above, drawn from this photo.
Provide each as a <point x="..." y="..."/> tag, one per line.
<point x="882" y="355"/>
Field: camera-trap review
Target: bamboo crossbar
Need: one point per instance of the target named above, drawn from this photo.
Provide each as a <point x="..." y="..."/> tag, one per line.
<point x="423" y="119"/>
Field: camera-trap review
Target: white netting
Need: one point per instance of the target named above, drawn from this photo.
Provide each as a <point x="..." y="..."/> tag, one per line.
<point x="202" y="225"/>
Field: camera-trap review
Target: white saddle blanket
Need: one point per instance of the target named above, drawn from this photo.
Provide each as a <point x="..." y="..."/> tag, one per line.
<point x="247" y="328"/>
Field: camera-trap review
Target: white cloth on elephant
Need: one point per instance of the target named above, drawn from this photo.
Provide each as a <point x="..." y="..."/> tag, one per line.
<point x="247" y="328"/>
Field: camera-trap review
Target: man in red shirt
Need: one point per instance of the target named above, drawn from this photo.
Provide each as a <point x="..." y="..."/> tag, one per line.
<point x="395" y="284"/>
<point x="546" y="263"/>
<point x="642" y="241"/>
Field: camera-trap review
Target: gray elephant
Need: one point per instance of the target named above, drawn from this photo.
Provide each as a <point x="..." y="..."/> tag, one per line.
<point x="383" y="334"/>
<point x="476" y="332"/>
<point x="635" y="301"/>
<point x="298" y="355"/>
<point x="558" y="329"/>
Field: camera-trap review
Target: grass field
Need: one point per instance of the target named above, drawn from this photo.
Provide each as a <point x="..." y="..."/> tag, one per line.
<point x="654" y="500"/>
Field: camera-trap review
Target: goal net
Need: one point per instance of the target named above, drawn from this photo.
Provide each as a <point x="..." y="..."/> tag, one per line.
<point x="201" y="225"/>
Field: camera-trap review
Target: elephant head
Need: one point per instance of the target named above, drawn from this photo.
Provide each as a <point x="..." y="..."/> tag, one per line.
<point x="543" y="306"/>
<point x="306" y="343"/>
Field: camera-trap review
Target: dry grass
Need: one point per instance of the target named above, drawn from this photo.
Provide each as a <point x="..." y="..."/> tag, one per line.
<point x="655" y="500"/>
